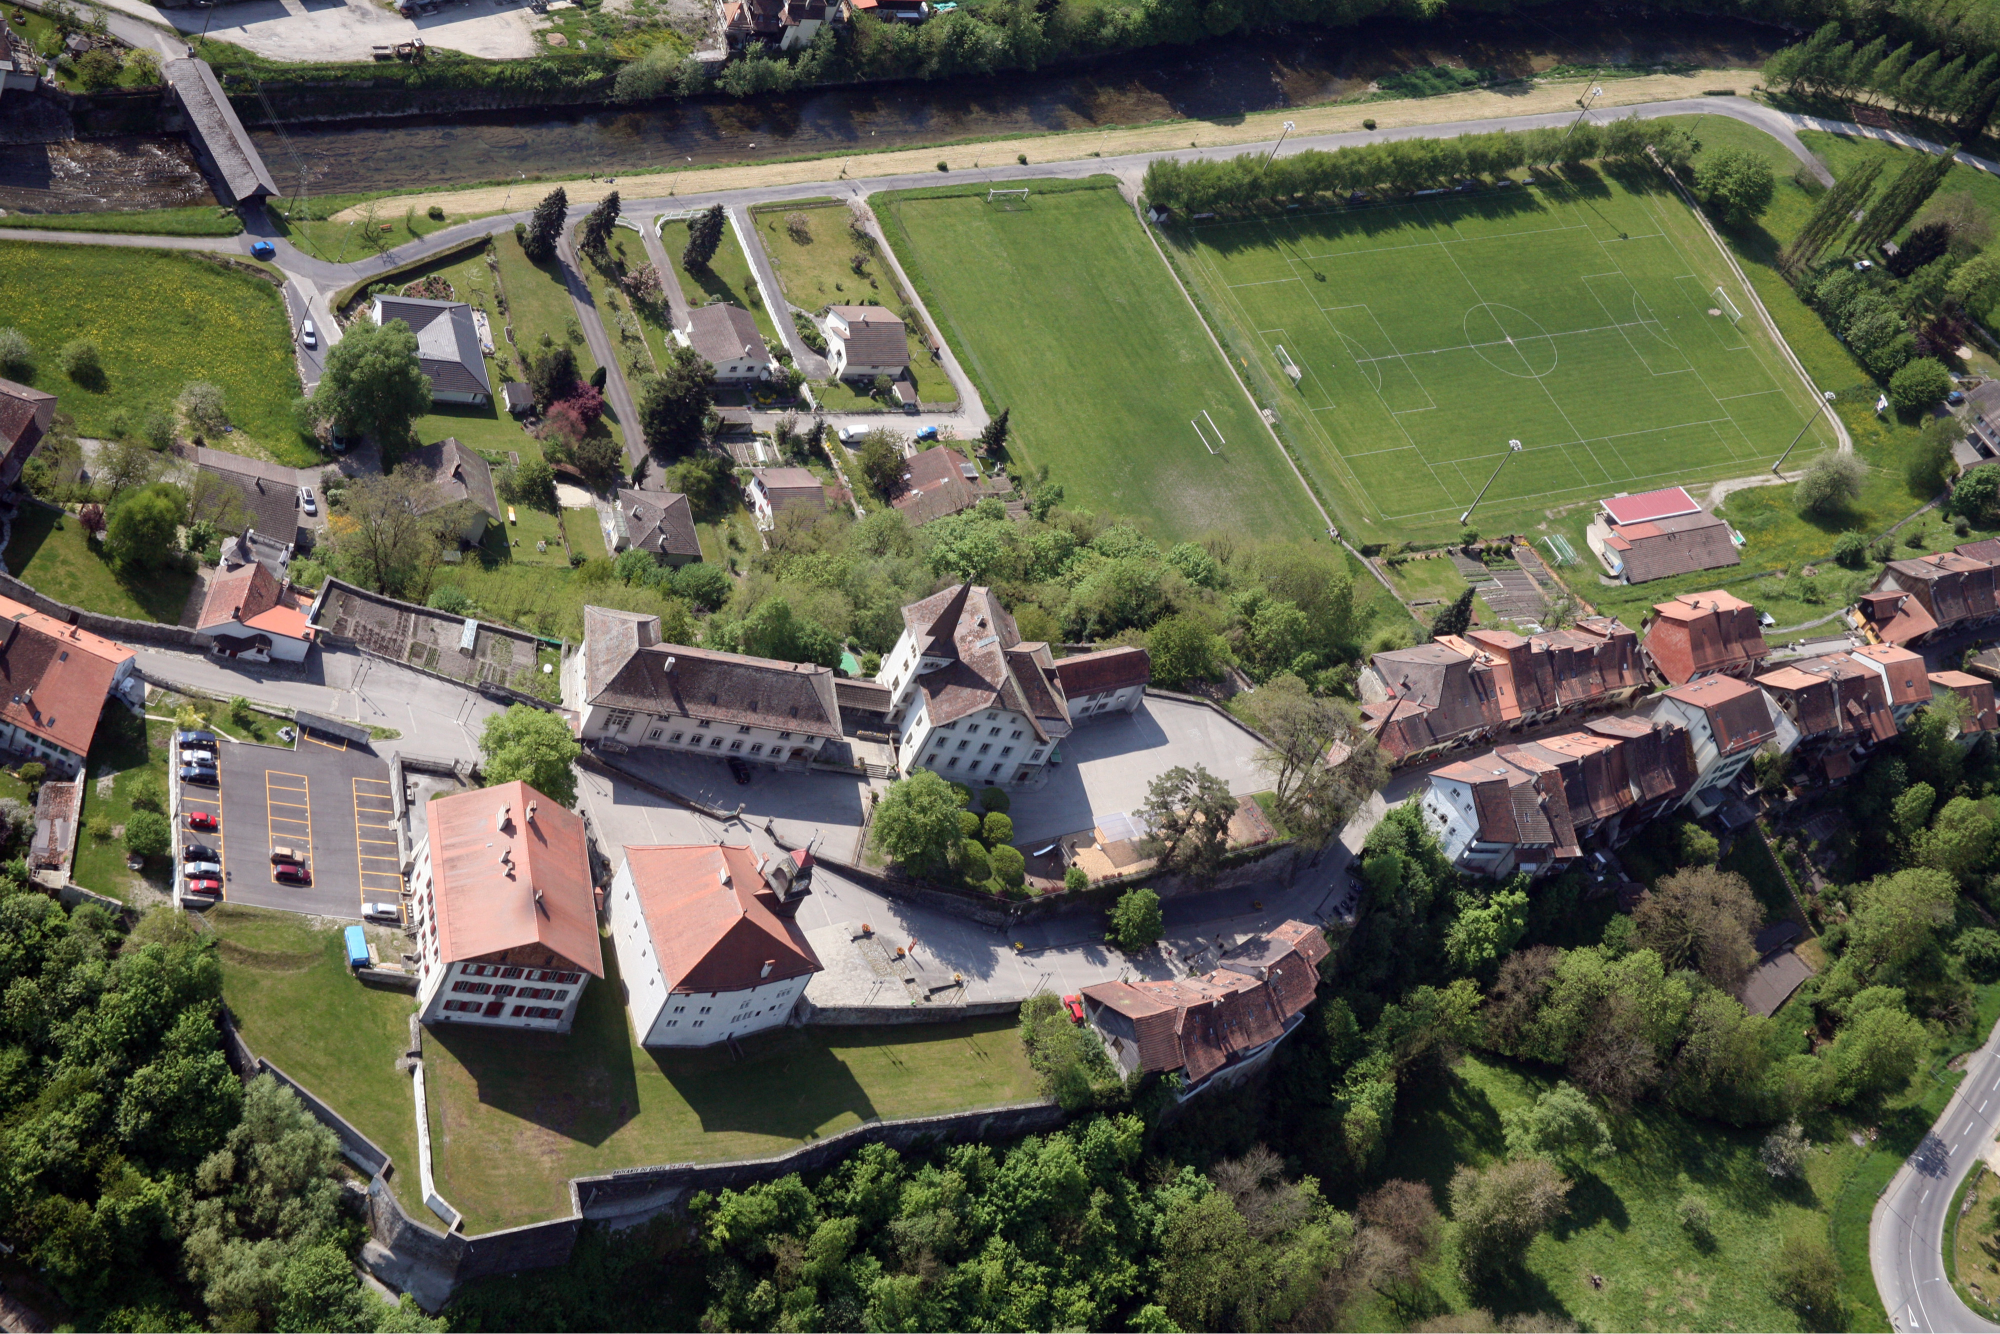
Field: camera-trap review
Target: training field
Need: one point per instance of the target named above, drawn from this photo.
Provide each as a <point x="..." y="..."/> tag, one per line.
<point x="1571" y="317"/>
<point x="1063" y="313"/>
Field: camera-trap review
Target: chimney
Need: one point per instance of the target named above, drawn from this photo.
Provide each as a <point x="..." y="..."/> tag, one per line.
<point x="531" y="812"/>
<point x="670" y="662"/>
<point x="500" y="821"/>
<point x="769" y="964"/>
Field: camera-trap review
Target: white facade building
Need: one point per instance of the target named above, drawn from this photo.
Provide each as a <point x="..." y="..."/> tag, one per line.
<point x="706" y="942"/>
<point x="1728" y="722"/>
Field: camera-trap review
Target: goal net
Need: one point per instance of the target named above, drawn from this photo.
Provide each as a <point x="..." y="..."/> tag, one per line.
<point x="1285" y="360"/>
<point x="1728" y="306"/>
<point x="1008" y="201"/>
<point x="1202" y="435"/>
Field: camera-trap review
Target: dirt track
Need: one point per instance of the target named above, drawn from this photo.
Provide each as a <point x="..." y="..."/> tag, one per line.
<point x="1484" y="103"/>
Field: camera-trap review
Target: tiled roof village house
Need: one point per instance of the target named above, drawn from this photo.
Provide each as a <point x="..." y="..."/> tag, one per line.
<point x="772" y="491"/>
<point x="865" y="341"/>
<point x="1948" y="592"/>
<point x="1464" y="690"/>
<point x="940" y="482"/>
<point x="1728" y="721"/>
<point x="54" y="681"/>
<point x="661" y="522"/>
<point x="25" y="417"/>
<point x="251" y="615"/>
<point x="1702" y="634"/>
<point x="1841" y="708"/>
<point x="1214" y="1029"/>
<point x="504" y="912"/>
<point x="462" y="477"/>
<point x="448" y="348"/>
<point x="1977" y="715"/>
<point x="1111" y="680"/>
<point x="1657" y="534"/>
<point x="726" y="336"/>
<point x="629" y="689"/>
<point x="793" y="23"/>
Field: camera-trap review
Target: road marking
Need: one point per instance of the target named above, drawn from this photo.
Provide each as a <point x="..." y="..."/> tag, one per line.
<point x="389" y="881"/>
<point x="1982" y="1106"/>
<point x="271" y="821"/>
<point x="1926" y="1196"/>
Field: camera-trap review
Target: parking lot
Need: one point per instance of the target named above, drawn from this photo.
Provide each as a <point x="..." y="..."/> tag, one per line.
<point x="328" y="799"/>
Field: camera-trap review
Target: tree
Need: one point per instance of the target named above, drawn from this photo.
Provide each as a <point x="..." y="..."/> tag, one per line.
<point x="1738" y="185"/>
<point x="144" y="525"/>
<point x="533" y="746"/>
<point x="201" y="407"/>
<point x="1501" y="1210"/>
<point x="535" y="484"/>
<point x="545" y="227"/>
<point x="1136" y="923"/>
<point x="994" y="438"/>
<point x="1831" y="484"/>
<point x="1187" y="814"/>
<point x="674" y="405"/>
<point x="997" y="828"/>
<point x="916" y="822"/>
<point x="1702" y="918"/>
<point x="1561" y="1123"/>
<point x="704" y="236"/>
<point x="394" y="530"/>
<point x="1486" y="931"/>
<point x="1975" y="284"/>
<point x="17" y="355"/>
<point x="1931" y="464"/>
<point x="706" y="586"/>
<point x="1877" y="1050"/>
<point x="1919" y="384"/>
<point x="881" y="465"/>
<point x="1456" y="618"/>
<point x="147" y="834"/>
<point x="773" y="630"/>
<point x="1784" y="1150"/>
<point x="1808" y="1279"/>
<point x="1183" y="650"/>
<point x="125" y="463"/>
<point x="372" y="383"/>
<point x="1076" y="880"/>
<point x="1977" y="495"/>
<point x="551" y="375"/>
<point x="81" y="362"/>
<point x="1960" y="840"/>
<point x="595" y="238"/>
<point x="1010" y="868"/>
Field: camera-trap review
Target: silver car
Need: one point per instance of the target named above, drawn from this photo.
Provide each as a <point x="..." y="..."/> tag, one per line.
<point x="197" y="869"/>
<point x="307" y="502"/>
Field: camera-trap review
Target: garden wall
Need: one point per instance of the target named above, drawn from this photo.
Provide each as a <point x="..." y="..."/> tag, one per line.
<point x="873" y="1016"/>
<point x="111" y="627"/>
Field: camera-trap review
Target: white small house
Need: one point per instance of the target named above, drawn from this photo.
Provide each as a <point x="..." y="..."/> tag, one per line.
<point x="863" y="342"/>
<point x="707" y="943"/>
<point x="727" y="338"/>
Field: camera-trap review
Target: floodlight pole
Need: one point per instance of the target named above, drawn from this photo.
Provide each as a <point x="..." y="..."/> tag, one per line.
<point x="1826" y="400"/>
<point x="1513" y="447"/>
<point x="1289" y="127"/>
<point x="1596" y="91"/>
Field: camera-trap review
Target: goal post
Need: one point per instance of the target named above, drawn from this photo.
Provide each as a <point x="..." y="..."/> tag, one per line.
<point x="1203" y="435"/>
<point x="1285" y="361"/>
<point x="1008" y="201"/>
<point x="1722" y="299"/>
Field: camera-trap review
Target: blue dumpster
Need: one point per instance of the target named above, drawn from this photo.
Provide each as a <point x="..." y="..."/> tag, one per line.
<point x="357" y="948"/>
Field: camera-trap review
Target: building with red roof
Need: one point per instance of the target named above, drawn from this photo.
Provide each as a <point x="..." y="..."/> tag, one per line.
<point x="707" y="943"/>
<point x="1657" y="534"/>
<point x="1977" y="714"/>
<point x="504" y="911"/>
<point x="251" y="615"/>
<point x="25" y="417"/>
<point x="1111" y="680"/>
<point x="1214" y="1029"/>
<point x="54" y="679"/>
<point x="1728" y="722"/>
<point x="1705" y="634"/>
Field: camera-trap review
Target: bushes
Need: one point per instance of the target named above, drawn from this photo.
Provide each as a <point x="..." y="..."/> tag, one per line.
<point x="1919" y="384"/>
<point x="1072" y="1063"/>
<point x="1831" y="485"/>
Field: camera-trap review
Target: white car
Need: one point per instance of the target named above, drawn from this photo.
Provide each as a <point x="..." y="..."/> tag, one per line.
<point x="204" y="870"/>
<point x="203" y="758"/>
<point x="850" y="434"/>
<point x="307" y="501"/>
<point x="390" y="913"/>
<point x="308" y="334"/>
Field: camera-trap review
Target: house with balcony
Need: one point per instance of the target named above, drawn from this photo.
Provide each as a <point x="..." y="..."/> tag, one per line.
<point x="1840" y="707"/>
<point x="1728" y="721"/>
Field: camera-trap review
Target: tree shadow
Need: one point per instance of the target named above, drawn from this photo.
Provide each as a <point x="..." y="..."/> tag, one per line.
<point x="1591" y="1201"/>
<point x="786" y="1083"/>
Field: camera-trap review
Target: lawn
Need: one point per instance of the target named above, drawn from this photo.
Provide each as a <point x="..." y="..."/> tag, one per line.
<point x="818" y="272"/>
<point x="159" y="319"/>
<point x="727" y="277"/>
<point x="514" y="1115"/>
<point x="299" y="1008"/>
<point x="1971" y="1244"/>
<point x="1063" y="314"/>
<point x="204" y="220"/>
<point x="539" y="308"/>
<point x="530" y="526"/>
<point x="124" y="749"/>
<point x="50" y="551"/>
<point x="641" y="341"/>
<point x="1430" y="334"/>
<point x="586" y="536"/>
<point x="305" y="224"/>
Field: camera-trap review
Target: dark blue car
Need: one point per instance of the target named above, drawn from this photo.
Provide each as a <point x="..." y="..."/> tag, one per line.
<point x="263" y="250"/>
<point x="195" y="773"/>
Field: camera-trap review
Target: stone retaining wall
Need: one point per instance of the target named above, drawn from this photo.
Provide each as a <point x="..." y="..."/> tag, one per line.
<point x="149" y="633"/>
<point x="873" y="1016"/>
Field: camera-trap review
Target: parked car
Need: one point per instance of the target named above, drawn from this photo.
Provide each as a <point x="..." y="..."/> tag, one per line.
<point x="292" y="875"/>
<point x="195" y="773"/>
<point x="390" y="913"/>
<point x="206" y="739"/>
<point x="928" y="433"/>
<point x="850" y="435"/>
<point x="207" y="884"/>
<point x="204" y="821"/>
<point x="282" y="853"/>
<point x="1074" y="1004"/>
<point x="739" y="770"/>
<point x="307" y="502"/>
<point x="308" y="334"/>
<point x="196" y="852"/>
<point x="208" y="870"/>
<point x="204" y="758"/>
<point x="262" y="250"/>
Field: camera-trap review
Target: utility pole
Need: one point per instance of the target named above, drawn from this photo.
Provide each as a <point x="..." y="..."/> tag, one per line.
<point x="1289" y="127"/>
<point x="1513" y="448"/>
<point x="1583" y="103"/>
<point x="1826" y="401"/>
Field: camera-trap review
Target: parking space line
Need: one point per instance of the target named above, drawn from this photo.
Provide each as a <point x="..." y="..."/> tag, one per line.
<point x="378" y="825"/>
<point x="271" y="822"/>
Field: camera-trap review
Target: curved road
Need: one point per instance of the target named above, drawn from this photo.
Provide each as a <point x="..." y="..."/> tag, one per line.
<point x="1906" y="1235"/>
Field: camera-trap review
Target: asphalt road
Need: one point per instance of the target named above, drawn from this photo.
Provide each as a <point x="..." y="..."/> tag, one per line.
<point x="616" y="392"/>
<point x="1906" y="1235"/>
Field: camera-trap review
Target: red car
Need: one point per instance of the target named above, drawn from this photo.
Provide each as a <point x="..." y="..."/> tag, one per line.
<point x="204" y="885"/>
<point x="203" y="820"/>
<point x="288" y="874"/>
<point x="1074" y="1004"/>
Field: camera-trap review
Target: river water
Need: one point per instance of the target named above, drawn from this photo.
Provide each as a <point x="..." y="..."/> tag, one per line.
<point x="1218" y="81"/>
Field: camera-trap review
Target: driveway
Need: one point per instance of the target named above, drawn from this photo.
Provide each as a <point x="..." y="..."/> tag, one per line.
<point x="1109" y="763"/>
<point x="325" y="800"/>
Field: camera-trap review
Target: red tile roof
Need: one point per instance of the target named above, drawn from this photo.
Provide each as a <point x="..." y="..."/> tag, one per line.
<point x="1107" y="669"/>
<point x="714" y="920"/>
<point x="1649" y="505"/>
<point x="1980" y="713"/>
<point x="53" y="676"/>
<point x="539" y="895"/>
<point x="1697" y="633"/>
<point x="239" y="595"/>
<point x="1901" y="671"/>
<point x="1737" y="713"/>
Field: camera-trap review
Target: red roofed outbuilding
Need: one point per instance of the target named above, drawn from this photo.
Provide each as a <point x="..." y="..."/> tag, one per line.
<point x="707" y="943"/>
<point x="504" y="911"/>
<point x="1112" y="680"/>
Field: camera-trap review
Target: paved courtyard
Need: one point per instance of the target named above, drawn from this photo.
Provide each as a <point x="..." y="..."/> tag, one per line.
<point x="328" y="801"/>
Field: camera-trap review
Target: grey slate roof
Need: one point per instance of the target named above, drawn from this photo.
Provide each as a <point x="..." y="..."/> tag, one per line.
<point x="877" y="337"/>
<point x="661" y="522"/>
<point x="461" y="473"/>
<point x="627" y="667"/>
<point x="723" y="332"/>
<point x="273" y="506"/>
<point x="447" y="344"/>
<point x="215" y="122"/>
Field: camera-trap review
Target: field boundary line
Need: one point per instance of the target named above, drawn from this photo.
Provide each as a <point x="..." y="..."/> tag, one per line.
<point x="1770" y="325"/>
<point x="1222" y="352"/>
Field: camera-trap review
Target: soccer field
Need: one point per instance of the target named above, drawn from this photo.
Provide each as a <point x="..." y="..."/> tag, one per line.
<point x="1578" y="319"/>
<point x="1065" y="316"/>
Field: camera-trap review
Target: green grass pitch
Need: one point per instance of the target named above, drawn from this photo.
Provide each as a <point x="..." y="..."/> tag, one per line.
<point x="1063" y="314"/>
<point x="1573" y="317"/>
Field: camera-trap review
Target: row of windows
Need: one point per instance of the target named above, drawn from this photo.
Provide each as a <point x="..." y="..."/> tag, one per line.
<point x="463" y="1005"/>
<point x="525" y="974"/>
<point x="675" y="1023"/>
<point x="714" y="743"/>
<point x="520" y="1011"/>
<point x="618" y="720"/>
<point x="543" y="993"/>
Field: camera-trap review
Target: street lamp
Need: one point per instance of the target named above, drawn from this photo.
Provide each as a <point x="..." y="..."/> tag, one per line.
<point x="1583" y="103"/>
<point x="509" y="196"/>
<point x="1289" y="127"/>
<point x="1513" y="447"/>
<point x="1826" y="401"/>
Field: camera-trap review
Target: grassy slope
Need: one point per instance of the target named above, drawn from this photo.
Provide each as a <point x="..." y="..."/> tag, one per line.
<point x="205" y="220"/>
<point x="50" y="552"/>
<point x="630" y="252"/>
<point x="159" y="319"/>
<point x="538" y="304"/>
<point x="300" y="1009"/>
<point x="1063" y="314"/>
<point x="727" y="277"/>
<point x="513" y="1116"/>
<point x="488" y="429"/>
<point x="124" y="748"/>
<point x="817" y="274"/>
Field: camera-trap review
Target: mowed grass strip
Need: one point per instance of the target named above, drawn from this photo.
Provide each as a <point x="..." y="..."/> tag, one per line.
<point x="50" y="551"/>
<point x="1063" y="314"/>
<point x="159" y="319"/>
<point x="515" y="1115"/>
<point x="1571" y="316"/>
